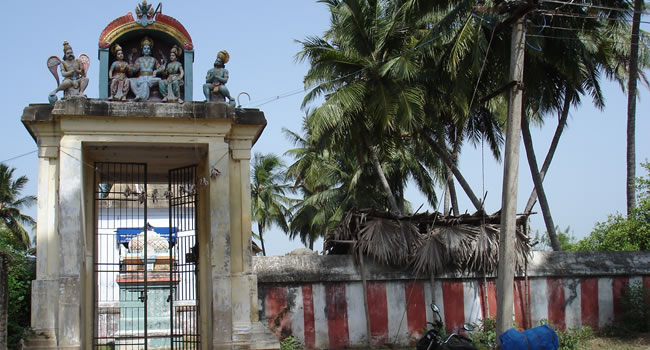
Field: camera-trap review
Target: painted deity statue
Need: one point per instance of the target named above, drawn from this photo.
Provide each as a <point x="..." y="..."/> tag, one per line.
<point x="73" y="71"/>
<point x="120" y="84"/>
<point x="170" y="88"/>
<point x="146" y="68"/>
<point x="216" y="79"/>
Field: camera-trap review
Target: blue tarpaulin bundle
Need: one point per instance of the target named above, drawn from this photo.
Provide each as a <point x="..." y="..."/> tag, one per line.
<point x="538" y="338"/>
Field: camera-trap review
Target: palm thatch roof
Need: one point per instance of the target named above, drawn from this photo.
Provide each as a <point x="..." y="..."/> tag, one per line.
<point x="429" y="243"/>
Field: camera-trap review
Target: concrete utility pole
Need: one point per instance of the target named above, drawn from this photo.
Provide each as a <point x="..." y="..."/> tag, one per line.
<point x="506" y="269"/>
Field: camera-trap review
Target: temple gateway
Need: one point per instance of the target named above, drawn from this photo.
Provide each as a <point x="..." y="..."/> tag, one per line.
<point x="144" y="223"/>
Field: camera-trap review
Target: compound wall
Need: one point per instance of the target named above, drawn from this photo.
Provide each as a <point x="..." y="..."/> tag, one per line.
<point x="319" y="299"/>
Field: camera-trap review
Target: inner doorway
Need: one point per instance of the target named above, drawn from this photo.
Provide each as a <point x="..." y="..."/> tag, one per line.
<point x="146" y="260"/>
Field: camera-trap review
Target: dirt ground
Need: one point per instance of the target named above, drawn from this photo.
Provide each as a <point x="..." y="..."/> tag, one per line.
<point x="638" y="342"/>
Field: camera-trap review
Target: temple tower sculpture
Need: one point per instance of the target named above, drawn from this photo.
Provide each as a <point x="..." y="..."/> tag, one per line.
<point x="144" y="222"/>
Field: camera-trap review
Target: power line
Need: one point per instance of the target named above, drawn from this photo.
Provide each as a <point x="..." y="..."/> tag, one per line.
<point x="552" y="13"/>
<point x="600" y="7"/>
<point x="421" y="45"/>
<point x="19" y="156"/>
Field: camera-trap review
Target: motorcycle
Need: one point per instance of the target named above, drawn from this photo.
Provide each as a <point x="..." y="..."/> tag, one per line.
<point x="433" y="339"/>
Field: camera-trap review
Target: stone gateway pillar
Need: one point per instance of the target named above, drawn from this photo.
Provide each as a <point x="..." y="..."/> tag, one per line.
<point x="88" y="243"/>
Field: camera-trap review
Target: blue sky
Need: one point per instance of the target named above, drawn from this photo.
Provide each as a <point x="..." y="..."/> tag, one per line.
<point x="586" y="181"/>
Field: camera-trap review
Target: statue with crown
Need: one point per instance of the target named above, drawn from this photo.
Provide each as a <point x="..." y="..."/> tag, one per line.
<point x="73" y="71"/>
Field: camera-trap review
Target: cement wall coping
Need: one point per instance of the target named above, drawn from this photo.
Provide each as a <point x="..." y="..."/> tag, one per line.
<point x="338" y="268"/>
<point x="90" y="107"/>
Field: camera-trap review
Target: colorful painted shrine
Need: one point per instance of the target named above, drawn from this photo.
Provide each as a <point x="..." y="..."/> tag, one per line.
<point x="128" y="32"/>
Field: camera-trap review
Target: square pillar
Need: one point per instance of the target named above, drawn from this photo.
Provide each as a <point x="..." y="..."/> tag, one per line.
<point x="72" y="238"/>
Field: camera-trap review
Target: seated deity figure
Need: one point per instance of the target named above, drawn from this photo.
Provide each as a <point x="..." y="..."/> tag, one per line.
<point x="170" y="88"/>
<point x="120" y="84"/>
<point x="216" y="79"/>
<point x="146" y="68"/>
<point x="73" y="72"/>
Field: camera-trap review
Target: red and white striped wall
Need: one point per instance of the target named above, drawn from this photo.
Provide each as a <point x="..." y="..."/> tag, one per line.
<point x="331" y="315"/>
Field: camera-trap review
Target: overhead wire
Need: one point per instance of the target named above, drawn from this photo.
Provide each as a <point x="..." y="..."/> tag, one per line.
<point x="551" y="12"/>
<point x="19" y="156"/>
<point x="593" y="6"/>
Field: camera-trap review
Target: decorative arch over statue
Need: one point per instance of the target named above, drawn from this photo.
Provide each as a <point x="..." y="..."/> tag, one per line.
<point x="127" y="31"/>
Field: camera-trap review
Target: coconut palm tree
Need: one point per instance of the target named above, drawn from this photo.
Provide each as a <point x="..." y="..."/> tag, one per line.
<point x="11" y="204"/>
<point x="269" y="204"/>
<point x="361" y="69"/>
<point x="566" y="58"/>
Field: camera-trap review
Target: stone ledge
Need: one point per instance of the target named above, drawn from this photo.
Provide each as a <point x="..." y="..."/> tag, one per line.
<point x="337" y="268"/>
<point x="91" y="107"/>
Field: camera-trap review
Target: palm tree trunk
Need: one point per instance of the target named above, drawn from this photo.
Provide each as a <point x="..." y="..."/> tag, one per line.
<point x="537" y="180"/>
<point x="451" y="197"/>
<point x="382" y="179"/>
<point x="259" y="229"/>
<point x="461" y="180"/>
<point x="452" y="188"/>
<point x="551" y="151"/>
<point x="447" y="196"/>
<point x="4" y="300"/>
<point x="631" y="107"/>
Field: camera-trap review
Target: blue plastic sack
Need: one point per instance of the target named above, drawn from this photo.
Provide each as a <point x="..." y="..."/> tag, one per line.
<point x="538" y="338"/>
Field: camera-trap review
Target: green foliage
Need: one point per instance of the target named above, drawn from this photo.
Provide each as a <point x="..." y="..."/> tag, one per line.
<point x="635" y="303"/>
<point x="290" y="343"/>
<point x="621" y="233"/>
<point x="268" y="200"/>
<point x="21" y="273"/>
<point x="485" y="334"/>
<point x="13" y="221"/>
<point x="566" y="238"/>
<point x="574" y="338"/>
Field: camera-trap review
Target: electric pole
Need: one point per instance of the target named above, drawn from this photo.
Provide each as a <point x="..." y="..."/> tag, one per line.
<point x="506" y="268"/>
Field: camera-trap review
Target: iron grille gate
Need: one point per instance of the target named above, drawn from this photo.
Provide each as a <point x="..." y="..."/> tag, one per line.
<point x="145" y="259"/>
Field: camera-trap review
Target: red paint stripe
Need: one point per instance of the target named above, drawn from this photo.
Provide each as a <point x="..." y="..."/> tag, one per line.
<point x="556" y="302"/>
<point x="492" y="297"/>
<point x="308" y="305"/>
<point x="589" y="302"/>
<point x="618" y="288"/>
<point x="277" y="311"/>
<point x="519" y="298"/>
<point x="453" y="301"/>
<point x="416" y="315"/>
<point x="378" y="309"/>
<point x="336" y="309"/>
<point x="491" y="291"/>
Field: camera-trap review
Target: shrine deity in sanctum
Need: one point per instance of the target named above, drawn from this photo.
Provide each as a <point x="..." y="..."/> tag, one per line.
<point x="146" y="68"/>
<point x="119" y="83"/>
<point x="170" y="88"/>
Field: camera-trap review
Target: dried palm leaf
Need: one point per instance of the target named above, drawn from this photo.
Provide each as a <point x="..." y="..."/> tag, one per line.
<point x="429" y="255"/>
<point x="386" y="240"/>
<point x="458" y="243"/>
<point x="485" y="254"/>
<point x="522" y="248"/>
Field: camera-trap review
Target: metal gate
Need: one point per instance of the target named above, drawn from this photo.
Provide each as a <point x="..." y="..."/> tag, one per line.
<point x="145" y="259"/>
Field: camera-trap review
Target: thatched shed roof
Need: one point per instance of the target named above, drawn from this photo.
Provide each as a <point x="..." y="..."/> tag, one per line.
<point x="429" y="243"/>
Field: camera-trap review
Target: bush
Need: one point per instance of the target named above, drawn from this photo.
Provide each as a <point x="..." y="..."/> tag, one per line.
<point x="21" y="273"/>
<point x="624" y="233"/>
<point x="635" y="303"/>
<point x="290" y="343"/>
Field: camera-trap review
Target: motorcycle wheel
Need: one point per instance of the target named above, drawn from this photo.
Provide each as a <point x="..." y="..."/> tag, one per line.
<point x="456" y="344"/>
